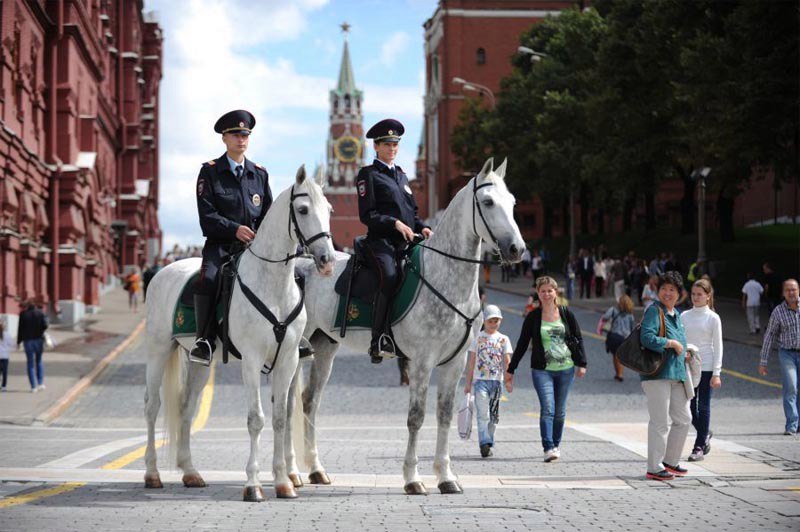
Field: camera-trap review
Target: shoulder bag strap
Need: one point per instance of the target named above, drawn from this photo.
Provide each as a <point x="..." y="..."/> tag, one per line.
<point x="663" y="330"/>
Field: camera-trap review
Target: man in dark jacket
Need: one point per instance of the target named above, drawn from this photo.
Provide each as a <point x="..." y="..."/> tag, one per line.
<point x="32" y="324"/>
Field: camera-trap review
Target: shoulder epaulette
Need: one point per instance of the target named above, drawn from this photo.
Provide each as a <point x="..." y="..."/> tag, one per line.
<point x="259" y="166"/>
<point x="212" y="162"/>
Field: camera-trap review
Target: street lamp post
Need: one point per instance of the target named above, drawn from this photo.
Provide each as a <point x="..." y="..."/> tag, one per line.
<point x="701" y="174"/>
<point x="535" y="58"/>
<point x="477" y="87"/>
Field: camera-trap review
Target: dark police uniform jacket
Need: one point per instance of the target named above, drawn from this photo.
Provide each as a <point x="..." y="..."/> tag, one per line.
<point x="225" y="202"/>
<point x="383" y="198"/>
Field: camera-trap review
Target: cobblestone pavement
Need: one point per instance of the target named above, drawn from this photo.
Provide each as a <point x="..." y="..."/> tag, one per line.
<point x="78" y="473"/>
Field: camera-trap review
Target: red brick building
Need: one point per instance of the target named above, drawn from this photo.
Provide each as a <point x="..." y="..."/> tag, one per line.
<point x="474" y="40"/>
<point x="79" y="146"/>
<point x="345" y="152"/>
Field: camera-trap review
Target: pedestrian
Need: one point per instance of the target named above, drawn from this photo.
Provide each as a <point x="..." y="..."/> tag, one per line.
<point x="599" y="278"/>
<point x="619" y="274"/>
<point x="638" y="277"/>
<point x="557" y="356"/>
<point x="569" y="275"/>
<point x="585" y="273"/>
<point x="488" y="358"/>
<point x="488" y="258"/>
<point x="650" y="292"/>
<point x="667" y="401"/>
<point x="784" y="327"/>
<point x="7" y="343"/>
<point x="531" y="304"/>
<point x="505" y="273"/>
<point x="772" y="287"/>
<point x="620" y="316"/>
<point x="526" y="262"/>
<point x="387" y="207"/>
<point x="751" y="302"/>
<point x="537" y="265"/>
<point x="704" y="330"/>
<point x="30" y="333"/>
<point x="132" y="282"/>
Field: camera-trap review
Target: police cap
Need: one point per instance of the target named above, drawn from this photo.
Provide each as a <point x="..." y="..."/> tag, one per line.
<point x="388" y="130"/>
<point x="239" y="121"/>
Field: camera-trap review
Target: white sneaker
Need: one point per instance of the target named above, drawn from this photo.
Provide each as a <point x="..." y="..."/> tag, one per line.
<point x="42" y="386"/>
<point x="557" y="452"/>
<point x="2" y="389"/>
<point x="550" y="455"/>
<point x="34" y="390"/>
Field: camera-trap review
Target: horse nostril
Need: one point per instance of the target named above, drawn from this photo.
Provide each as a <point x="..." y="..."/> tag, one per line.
<point x="513" y="249"/>
<point x="323" y="259"/>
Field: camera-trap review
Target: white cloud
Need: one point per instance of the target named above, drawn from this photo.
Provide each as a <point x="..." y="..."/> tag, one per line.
<point x="393" y="47"/>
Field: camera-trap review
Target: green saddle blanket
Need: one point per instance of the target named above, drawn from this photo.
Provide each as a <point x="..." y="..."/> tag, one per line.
<point x="184" y="322"/>
<point x="359" y="312"/>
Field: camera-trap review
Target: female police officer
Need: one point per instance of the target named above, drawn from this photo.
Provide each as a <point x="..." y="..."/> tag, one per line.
<point x="387" y="207"/>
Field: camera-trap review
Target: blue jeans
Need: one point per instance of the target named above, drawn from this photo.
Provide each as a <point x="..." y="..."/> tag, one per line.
<point x="33" y="352"/>
<point x="4" y="370"/>
<point x="570" y="288"/>
<point x="552" y="387"/>
<point x="487" y="402"/>
<point x="790" y="368"/>
<point x="701" y="409"/>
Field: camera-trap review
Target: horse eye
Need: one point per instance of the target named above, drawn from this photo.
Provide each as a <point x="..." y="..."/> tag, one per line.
<point x="488" y="202"/>
<point x="302" y="210"/>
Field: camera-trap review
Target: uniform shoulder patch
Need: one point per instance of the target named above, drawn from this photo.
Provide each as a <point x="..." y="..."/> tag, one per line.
<point x="362" y="188"/>
<point x="212" y="162"/>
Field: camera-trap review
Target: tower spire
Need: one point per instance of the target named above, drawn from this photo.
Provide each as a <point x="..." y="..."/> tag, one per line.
<point x="347" y="82"/>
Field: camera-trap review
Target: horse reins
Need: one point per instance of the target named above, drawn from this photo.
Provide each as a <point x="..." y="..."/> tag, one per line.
<point x="279" y="327"/>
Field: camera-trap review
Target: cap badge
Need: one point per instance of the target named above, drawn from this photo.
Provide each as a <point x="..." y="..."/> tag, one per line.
<point x="241" y="124"/>
<point x="391" y="131"/>
<point x="256" y="200"/>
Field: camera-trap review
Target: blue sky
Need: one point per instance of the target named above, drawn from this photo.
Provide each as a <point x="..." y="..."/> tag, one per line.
<point x="278" y="59"/>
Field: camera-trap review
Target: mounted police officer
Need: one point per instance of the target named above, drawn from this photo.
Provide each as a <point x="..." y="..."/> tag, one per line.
<point x="233" y="195"/>
<point x="387" y="207"/>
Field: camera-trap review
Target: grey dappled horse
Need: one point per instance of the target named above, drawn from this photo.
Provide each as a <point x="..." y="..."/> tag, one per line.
<point x="431" y="330"/>
<point x="264" y="269"/>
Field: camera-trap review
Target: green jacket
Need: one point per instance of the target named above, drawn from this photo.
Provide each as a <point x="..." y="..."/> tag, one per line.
<point x="674" y="368"/>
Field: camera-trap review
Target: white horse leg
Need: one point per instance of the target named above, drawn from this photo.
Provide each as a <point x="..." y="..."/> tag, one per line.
<point x="290" y="457"/>
<point x="325" y="352"/>
<point x="447" y="380"/>
<point x="158" y="355"/>
<point x="420" y="377"/>
<point x="196" y="380"/>
<point x="251" y="376"/>
<point x="281" y="379"/>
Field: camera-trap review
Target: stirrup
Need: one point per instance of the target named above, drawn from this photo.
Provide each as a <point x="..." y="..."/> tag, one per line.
<point x="199" y="350"/>
<point x="386" y="347"/>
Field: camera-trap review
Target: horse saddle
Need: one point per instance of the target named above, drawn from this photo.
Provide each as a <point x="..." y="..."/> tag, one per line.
<point x="359" y="283"/>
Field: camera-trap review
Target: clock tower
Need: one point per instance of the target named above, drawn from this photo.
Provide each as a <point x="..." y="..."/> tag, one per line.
<point x="345" y="152"/>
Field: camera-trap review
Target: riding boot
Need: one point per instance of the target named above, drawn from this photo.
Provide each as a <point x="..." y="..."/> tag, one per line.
<point x="203" y="346"/>
<point x="382" y="345"/>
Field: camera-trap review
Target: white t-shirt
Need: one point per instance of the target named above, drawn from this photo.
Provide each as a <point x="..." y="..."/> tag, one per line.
<point x="7" y="344"/>
<point x="490" y="350"/>
<point x="753" y="290"/>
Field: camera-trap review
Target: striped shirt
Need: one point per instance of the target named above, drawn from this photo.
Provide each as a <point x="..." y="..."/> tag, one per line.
<point x="784" y="324"/>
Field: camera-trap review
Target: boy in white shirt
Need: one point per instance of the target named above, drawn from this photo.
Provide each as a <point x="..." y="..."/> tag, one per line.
<point x="489" y="355"/>
<point x="751" y="301"/>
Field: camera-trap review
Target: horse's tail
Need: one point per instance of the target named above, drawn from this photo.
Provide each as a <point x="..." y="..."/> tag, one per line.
<point x="298" y="419"/>
<point x="174" y="382"/>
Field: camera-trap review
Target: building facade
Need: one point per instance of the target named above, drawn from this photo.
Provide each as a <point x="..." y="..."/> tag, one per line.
<point x="345" y="153"/>
<point x="79" y="144"/>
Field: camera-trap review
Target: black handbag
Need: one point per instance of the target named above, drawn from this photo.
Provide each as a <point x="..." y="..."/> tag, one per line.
<point x="572" y="342"/>
<point x="633" y="355"/>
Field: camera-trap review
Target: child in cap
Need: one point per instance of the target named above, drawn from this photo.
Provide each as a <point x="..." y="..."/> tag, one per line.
<point x="489" y="355"/>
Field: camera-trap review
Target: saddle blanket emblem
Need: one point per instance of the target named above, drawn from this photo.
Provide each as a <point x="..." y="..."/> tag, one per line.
<point x="184" y="321"/>
<point x="256" y="200"/>
<point x="358" y="313"/>
<point x="179" y="318"/>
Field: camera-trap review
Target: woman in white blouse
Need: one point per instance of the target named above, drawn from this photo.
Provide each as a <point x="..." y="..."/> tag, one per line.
<point x="704" y="329"/>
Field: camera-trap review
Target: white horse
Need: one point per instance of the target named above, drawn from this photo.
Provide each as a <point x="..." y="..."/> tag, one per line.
<point x="431" y="331"/>
<point x="266" y="271"/>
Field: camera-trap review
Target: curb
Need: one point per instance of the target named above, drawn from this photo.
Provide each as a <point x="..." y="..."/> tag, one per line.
<point x="79" y="387"/>
<point x="576" y="303"/>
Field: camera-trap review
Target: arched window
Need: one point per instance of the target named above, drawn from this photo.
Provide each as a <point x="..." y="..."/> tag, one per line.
<point x="480" y="56"/>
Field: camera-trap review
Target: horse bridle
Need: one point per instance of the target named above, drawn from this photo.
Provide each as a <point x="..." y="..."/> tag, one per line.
<point x="477" y="205"/>
<point x="304" y="242"/>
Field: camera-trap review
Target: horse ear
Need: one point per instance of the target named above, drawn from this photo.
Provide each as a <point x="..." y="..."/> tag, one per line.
<point x="301" y="174"/>
<point x="501" y="170"/>
<point x="488" y="167"/>
<point x="319" y="177"/>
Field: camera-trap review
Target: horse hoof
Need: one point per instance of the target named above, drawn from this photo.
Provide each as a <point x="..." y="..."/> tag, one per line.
<point x="285" y="491"/>
<point x="153" y="482"/>
<point x="193" y="480"/>
<point x="450" y="487"/>
<point x="297" y="481"/>
<point x="319" y="477"/>
<point x="415" y="488"/>
<point x="253" y="494"/>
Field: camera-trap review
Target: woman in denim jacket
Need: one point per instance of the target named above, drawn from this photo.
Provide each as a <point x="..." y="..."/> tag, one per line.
<point x="667" y="402"/>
